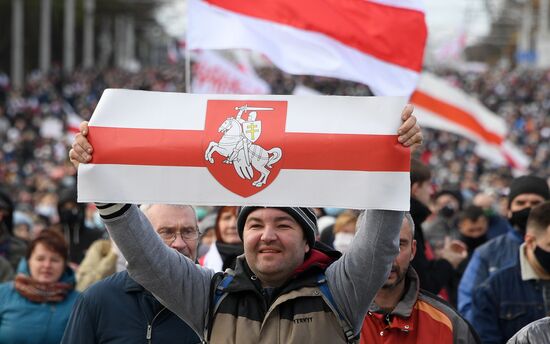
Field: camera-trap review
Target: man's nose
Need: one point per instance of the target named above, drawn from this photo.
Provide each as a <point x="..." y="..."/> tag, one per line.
<point x="179" y="243"/>
<point x="269" y="234"/>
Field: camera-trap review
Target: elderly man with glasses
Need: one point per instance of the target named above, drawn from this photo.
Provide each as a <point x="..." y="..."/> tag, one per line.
<point x="119" y="310"/>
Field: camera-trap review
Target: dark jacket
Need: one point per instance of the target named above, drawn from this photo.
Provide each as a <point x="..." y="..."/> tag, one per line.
<point x="487" y="259"/>
<point x="434" y="274"/>
<point x="119" y="310"/>
<point x="504" y="304"/>
<point x="419" y="317"/>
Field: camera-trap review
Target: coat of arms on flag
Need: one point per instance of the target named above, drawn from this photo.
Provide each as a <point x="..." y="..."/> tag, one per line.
<point x="242" y="156"/>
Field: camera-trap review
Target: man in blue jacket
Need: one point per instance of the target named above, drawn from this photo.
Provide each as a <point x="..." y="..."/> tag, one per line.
<point x="518" y="294"/>
<point x="525" y="193"/>
<point x="119" y="310"/>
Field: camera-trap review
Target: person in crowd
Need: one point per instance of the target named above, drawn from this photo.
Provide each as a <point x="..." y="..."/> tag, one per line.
<point x="534" y="333"/>
<point x="72" y="222"/>
<point x="99" y="262"/>
<point x="434" y="274"/>
<point x="119" y="310"/>
<point x="228" y="246"/>
<point x="404" y="313"/>
<point x="207" y="230"/>
<point x="326" y="235"/>
<point x="344" y="230"/>
<point x="473" y="227"/>
<point x="447" y="203"/>
<point x="498" y="224"/>
<point x="517" y="295"/>
<point x="35" y="307"/>
<point x="525" y="193"/>
<point x="279" y="287"/>
<point x="11" y="248"/>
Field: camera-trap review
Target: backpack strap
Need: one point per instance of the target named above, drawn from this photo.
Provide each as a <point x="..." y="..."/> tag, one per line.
<point x="329" y="299"/>
<point x="220" y="281"/>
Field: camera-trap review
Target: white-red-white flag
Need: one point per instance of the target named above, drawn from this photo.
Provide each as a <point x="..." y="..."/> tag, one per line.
<point x="376" y="42"/>
<point x="440" y="105"/>
<point x="159" y="147"/>
<point x="213" y="74"/>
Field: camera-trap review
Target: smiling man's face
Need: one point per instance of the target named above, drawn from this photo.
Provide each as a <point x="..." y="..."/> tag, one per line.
<point x="274" y="245"/>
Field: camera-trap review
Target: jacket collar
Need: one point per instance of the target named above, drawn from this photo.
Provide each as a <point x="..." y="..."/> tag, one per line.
<point x="400" y="317"/>
<point x="131" y="286"/>
<point x="304" y="275"/>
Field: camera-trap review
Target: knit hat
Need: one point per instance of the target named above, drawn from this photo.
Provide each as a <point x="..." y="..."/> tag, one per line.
<point x="304" y="216"/>
<point x="528" y="184"/>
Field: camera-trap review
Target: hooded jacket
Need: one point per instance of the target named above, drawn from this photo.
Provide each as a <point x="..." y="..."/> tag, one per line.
<point x="26" y="322"/>
<point x="296" y="312"/>
<point x="419" y="317"/>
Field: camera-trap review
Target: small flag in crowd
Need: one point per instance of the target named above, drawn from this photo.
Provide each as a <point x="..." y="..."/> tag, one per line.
<point x="376" y="42"/>
<point x="441" y="106"/>
<point x="246" y="150"/>
<point x="213" y="74"/>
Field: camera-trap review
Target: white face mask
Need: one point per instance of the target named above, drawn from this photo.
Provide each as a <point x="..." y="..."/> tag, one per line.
<point x="342" y="241"/>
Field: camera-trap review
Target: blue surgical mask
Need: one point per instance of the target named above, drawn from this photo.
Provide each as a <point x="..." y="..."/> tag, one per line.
<point x="333" y="211"/>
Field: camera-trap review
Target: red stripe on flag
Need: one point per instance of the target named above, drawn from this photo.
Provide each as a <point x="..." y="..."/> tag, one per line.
<point x="163" y="147"/>
<point x="455" y="115"/>
<point x="345" y="152"/>
<point x="146" y="146"/>
<point x="392" y="34"/>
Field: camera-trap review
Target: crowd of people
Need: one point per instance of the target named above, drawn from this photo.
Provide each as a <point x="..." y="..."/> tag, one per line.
<point x="478" y="237"/>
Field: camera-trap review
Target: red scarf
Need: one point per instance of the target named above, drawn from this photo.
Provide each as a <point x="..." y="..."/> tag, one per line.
<point x="39" y="291"/>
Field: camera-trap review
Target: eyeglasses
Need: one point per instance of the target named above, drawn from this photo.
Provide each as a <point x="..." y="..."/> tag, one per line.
<point x="170" y="236"/>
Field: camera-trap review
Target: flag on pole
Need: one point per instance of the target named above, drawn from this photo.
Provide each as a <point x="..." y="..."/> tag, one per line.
<point x="213" y="74"/>
<point x="376" y="42"/>
<point x="246" y="150"/>
<point x="441" y="106"/>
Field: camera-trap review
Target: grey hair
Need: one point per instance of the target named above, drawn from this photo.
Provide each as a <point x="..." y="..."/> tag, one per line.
<point x="410" y="221"/>
<point x="146" y="207"/>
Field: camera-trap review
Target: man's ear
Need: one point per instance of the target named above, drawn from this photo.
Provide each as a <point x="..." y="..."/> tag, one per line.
<point x="530" y="240"/>
<point x="414" y="188"/>
<point x="413" y="250"/>
<point x="307" y="248"/>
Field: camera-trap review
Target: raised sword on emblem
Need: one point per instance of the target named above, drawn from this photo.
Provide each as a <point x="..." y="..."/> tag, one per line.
<point x="238" y="146"/>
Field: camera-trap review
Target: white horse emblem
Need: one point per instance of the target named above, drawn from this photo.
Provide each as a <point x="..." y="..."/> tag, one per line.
<point x="237" y="145"/>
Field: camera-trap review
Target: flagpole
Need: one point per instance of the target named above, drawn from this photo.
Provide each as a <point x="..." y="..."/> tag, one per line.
<point x="187" y="68"/>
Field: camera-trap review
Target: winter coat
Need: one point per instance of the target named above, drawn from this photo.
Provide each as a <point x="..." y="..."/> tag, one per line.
<point x="118" y="310"/>
<point x="487" y="259"/>
<point x="419" y="317"/>
<point x="26" y="322"/>
<point x="536" y="332"/>
<point x="99" y="262"/>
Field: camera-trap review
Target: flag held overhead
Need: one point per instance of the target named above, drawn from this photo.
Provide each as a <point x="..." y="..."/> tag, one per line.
<point x="158" y="147"/>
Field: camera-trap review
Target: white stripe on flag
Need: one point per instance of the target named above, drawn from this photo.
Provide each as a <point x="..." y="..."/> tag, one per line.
<point x="128" y="183"/>
<point x="303" y="52"/>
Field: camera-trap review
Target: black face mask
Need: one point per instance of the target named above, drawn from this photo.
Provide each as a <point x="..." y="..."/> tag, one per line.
<point x="473" y="243"/>
<point x="519" y="220"/>
<point x="543" y="257"/>
<point x="447" y="211"/>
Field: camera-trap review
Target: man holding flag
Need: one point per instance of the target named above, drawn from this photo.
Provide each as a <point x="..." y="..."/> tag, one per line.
<point x="285" y="288"/>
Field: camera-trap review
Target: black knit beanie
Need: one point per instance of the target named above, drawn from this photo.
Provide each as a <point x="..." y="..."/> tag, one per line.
<point x="528" y="184"/>
<point x="304" y="216"/>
